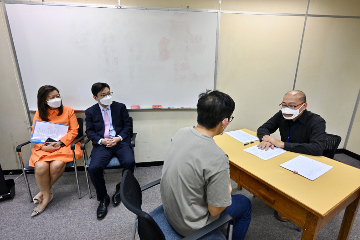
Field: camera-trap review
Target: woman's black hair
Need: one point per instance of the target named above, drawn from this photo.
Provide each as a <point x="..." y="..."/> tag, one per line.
<point x="41" y="101"/>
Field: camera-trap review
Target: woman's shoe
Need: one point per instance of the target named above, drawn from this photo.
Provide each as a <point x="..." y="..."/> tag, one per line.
<point x="37" y="200"/>
<point x="37" y="210"/>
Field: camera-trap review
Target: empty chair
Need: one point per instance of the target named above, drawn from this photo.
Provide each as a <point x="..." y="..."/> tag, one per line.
<point x="332" y="143"/>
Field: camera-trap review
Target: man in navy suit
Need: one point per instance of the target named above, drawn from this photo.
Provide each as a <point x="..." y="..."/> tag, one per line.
<point x="108" y="126"/>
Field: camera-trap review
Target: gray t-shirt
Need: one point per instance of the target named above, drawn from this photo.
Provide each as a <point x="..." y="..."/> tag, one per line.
<point x="195" y="174"/>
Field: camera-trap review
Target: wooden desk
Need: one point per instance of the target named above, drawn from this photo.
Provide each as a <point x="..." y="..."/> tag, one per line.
<point x="308" y="204"/>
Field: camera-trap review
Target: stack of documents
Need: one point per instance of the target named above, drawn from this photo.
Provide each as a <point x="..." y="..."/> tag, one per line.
<point x="306" y="167"/>
<point x="265" y="154"/>
<point x="44" y="130"/>
<point x="242" y="136"/>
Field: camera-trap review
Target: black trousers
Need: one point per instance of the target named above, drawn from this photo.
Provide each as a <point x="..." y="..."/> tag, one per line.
<point x="100" y="158"/>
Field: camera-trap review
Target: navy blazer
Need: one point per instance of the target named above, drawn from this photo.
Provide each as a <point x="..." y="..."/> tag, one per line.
<point x="95" y="126"/>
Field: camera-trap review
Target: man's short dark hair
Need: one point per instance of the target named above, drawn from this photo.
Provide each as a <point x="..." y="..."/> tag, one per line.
<point x="98" y="87"/>
<point x="213" y="107"/>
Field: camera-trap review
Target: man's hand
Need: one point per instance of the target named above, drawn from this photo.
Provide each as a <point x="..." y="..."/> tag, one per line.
<point x="53" y="146"/>
<point x="230" y="188"/>
<point x="112" y="142"/>
<point x="105" y="141"/>
<point x="265" y="145"/>
<point x="273" y="141"/>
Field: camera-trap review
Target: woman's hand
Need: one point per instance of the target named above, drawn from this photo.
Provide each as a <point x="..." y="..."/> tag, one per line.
<point x="53" y="146"/>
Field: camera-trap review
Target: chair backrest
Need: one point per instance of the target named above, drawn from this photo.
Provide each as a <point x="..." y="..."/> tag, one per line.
<point x="81" y="128"/>
<point x="130" y="193"/>
<point x="332" y="143"/>
<point x="132" y="127"/>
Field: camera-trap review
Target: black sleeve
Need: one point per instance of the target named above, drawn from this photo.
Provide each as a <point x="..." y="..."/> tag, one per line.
<point x="270" y="126"/>
<point x="317" y="139"/>
<point x="126" y="130"/>
<point x="90" y="128"/>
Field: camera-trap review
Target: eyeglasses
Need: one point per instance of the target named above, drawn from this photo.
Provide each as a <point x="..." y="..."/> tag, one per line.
<point x="105" y="95"/>
<point x="53" y="97"/>
<point x="283" y="105"/>
<point x="230" y="119"/>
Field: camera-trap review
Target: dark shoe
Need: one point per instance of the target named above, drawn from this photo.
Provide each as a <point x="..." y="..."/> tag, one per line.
<point x="281" y="217"/>
<point x="102" y="208"/>
<point x="116" y="198"/>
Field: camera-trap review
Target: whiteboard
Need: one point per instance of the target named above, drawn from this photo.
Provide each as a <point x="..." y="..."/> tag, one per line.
<point x="147" y="57"/>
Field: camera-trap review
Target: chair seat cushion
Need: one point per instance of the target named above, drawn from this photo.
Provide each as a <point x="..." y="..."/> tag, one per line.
<point x="27" y="167"/>
<point x="114" y="162"/>
<point x="159" y="217"/>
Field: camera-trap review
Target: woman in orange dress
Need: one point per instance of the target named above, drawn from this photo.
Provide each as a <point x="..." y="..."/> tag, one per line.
<point x="50" y="160"/>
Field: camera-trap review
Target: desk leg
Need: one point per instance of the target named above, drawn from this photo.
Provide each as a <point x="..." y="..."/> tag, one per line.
<point x="239" y="186"/>
<point x="311" y="227"/>
<point x="348" y="219"/>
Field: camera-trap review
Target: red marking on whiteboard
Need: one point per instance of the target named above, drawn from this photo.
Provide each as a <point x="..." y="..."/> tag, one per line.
<point x="163" y="49"/>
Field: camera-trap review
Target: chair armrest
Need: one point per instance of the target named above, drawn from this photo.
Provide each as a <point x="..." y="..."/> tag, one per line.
<point x="133" y="140"/>
<point x="82" y="147"/>
<point x="150" y="185"/>
<point x="18" y="148"/>
<point x="76" y="141"/>
<point x="211" y="227"/>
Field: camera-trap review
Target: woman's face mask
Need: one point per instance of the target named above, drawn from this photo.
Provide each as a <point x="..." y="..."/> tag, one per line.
<point x="54" y="103"/>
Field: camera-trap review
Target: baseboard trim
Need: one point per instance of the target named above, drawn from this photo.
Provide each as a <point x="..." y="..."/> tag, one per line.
<point x="349" y="153"/>
<point x="81" y="168"/>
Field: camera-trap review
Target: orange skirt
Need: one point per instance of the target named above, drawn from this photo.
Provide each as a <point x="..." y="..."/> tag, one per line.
<point x="64" y="154"/>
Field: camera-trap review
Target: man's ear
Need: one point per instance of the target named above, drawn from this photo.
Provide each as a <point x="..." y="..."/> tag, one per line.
<point x="305" y="106"/>
<point x="225" y="122"/>
<point x="95" y="98"/>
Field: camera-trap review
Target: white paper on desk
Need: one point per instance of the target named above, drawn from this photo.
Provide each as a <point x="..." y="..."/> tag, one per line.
<point x="44" y="130"/>
<point x="242" y="136"/>
<point x="306" y="167"/>
<point x="265" y="155"/>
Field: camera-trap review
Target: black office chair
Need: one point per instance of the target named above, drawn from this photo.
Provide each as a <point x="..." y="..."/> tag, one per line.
<point x="114" y="162"/>
<point x="154" y="225"/>
<point x="332" y="143"/>
<point x="26" y="168"/>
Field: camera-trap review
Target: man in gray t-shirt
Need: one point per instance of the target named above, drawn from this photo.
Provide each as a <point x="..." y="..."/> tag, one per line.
<point x="195" y="184"/>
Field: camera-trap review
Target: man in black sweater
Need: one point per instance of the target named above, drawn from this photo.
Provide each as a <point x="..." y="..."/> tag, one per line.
<point x="301" y="130"/>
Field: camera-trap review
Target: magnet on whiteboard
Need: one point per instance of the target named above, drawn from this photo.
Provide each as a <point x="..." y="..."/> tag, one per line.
<point x="156" y="106"/>
<point x="135" y="106"/>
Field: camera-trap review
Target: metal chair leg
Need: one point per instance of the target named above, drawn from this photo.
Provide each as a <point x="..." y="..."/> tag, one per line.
<point x="76" y="175"/>
<point x="86" y="172"/>
<point x="25" y="177"/>
<point x="230" y="232"/>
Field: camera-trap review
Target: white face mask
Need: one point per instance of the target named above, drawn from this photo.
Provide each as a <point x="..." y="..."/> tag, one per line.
<point x="106" y="100"/>
<point x="54" y="103"/>
<point x="294" y="112"/>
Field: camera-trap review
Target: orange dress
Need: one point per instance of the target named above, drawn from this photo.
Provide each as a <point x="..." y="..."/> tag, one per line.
<point x="64" y="153"/>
